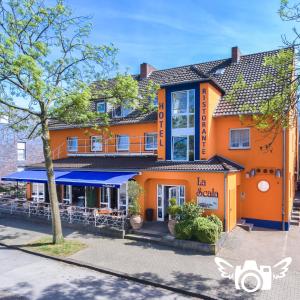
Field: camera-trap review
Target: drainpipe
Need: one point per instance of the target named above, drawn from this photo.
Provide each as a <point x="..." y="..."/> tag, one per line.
<point x="225" y="201"/>
<point x="283" y="178"/>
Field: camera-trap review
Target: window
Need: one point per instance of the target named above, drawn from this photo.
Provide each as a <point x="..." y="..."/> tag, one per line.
<point x="101" y="107"/>
<point x="220" y="71"/>
<point x="122" y="111"/>
<point x="183" y="109"/>
<point x="38" y="192"/>
<point x="183" y="148"/>
<point x="183" y="125"/>
<point x="105" y="198"/>
<point x="72" y="144"/>
<point x="96" y="143"/>
<point x="67" y="194"/>
<point x="122" y="142"/>
<point x="240" y="138"/>
<point x="150" y="141"/>
<point x="123" y="197"/>
<point x="155" y="101"/>
<point x="21" y="151"/>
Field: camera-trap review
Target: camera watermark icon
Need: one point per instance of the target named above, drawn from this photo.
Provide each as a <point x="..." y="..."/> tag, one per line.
<point x="250" y="277"/>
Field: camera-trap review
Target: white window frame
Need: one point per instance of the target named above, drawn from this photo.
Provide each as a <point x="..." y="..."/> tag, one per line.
<point x="23" y="151"/>
<point x="40" y="188"/>
<point x="122" y="111"/>
<point x="106" y="204"/>
<point x="183" y="132"/>
<point x="102" y="103"/>
<point x="128" y="145"/>
<point x="240" y="146"/>
<point x="66" y="200"/>
<point x="120" y="207"/>
<point x="146" y="145"/>
<point x="68" y="145"/>
<point x="100" y="143"/>
<point x="188" y="130"/>
<point x="180" y="198"/>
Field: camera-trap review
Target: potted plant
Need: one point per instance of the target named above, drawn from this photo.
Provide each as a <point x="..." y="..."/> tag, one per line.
<point x="134" y="191"/>
<point x="173" y="210"/>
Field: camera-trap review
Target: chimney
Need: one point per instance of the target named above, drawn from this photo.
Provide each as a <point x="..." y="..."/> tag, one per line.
<point x="145" y="70"/>
<point x="235" y="54"/>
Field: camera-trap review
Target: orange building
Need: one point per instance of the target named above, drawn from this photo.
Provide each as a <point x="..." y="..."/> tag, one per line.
<point x="195" y="147"/>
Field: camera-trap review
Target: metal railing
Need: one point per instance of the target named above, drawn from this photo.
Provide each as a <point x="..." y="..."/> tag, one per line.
<point x="96" y="217"/>
<point x="120" y="145"/>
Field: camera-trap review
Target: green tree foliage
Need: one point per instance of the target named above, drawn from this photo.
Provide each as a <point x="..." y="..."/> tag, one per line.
<point x="50" y="70"/>
<point x="134" y="191"/>
<point x="280" y="110"/>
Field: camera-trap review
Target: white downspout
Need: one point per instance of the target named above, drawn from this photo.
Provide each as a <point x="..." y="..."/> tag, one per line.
<point x="283" y="178"/>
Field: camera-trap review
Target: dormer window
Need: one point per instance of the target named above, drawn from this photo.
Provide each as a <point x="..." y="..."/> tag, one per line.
<point x="220" y="71"/>
<point x="101" y="107"/>
<point x="122" y="111"/>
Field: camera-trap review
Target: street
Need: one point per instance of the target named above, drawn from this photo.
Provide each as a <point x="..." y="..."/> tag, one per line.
<point x="25" y="276"/>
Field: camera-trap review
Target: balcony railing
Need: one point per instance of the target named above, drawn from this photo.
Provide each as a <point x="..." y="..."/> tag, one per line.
<point x="95" y="217"/>
<point x="119" y="145"/>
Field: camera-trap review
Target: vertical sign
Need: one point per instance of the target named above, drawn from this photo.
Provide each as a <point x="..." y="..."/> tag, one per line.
<point x="203" y="125"/>
<point x="161" y="125"/>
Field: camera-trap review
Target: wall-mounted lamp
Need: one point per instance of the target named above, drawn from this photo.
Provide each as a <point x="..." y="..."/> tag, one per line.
<point x="278" y="173"/>
<point x="247" y="175"/>
<point x="252" y="173"/>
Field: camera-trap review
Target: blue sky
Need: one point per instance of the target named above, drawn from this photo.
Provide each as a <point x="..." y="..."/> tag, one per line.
<point x="169" y="33"/>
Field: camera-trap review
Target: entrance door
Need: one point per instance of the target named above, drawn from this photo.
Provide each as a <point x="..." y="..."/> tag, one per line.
<point x="160" y="203"/>
<point x="232" y="209"/>
<point x="164" y="194"/>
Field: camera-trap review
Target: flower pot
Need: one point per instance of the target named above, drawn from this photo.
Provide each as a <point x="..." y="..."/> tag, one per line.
<point x="171" y="226"/>
<point x="136" y="222"/>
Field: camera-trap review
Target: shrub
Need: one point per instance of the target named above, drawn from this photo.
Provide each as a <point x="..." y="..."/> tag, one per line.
<point x="205" y="231"/>
<point x="190" y="211"/>
<point x="134" y="191"/>
<point x="217" y="221"/>
<point x="173" y="208"/>
<point x="183" y="230"/>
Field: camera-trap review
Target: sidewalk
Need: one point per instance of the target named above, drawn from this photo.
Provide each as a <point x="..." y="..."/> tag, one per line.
<point x="189" y="271"/>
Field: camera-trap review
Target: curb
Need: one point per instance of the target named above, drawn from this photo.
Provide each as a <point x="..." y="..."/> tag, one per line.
<point x="112" y="273"/>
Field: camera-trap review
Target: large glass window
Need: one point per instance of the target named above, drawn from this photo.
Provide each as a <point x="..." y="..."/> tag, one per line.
<point x="183" y="125"/>
<point x="38" y="192"/>
<point x="183" y="147"/>
<point x="183" y="109"/>
<point x="96" y="143"/>
<point x="67" y="194"/>
<point x="123" y="201"/>
<point x="72" y="144"/>
<point x="150" y="141"/>
<point x="21" y="151"/>
<point x="105" y="197"/>
<point x="122" y="142"/>
<point x="240" y="138"/>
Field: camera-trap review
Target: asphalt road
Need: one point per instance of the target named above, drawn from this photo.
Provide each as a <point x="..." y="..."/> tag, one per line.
<point x="25" y="276"/>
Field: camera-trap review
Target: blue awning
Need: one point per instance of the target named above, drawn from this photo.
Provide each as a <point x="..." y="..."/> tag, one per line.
<point x="78" y="178"/>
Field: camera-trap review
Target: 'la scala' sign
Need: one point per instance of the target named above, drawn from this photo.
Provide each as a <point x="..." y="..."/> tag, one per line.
<point x="207" y="199"/>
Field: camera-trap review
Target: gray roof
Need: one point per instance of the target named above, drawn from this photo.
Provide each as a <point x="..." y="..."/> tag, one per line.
<point x="129" y="163"/>
<point x="250" y="66"/>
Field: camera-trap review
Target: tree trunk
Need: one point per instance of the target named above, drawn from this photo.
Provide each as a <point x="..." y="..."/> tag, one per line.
<point x="56" y="222"/>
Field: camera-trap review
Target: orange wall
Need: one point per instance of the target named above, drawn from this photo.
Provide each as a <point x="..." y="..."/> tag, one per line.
<point x="59" y="137"/>
<point x="209" y="97"/>
<point x="150" y="180"/>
